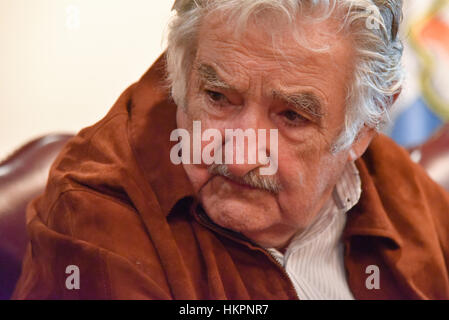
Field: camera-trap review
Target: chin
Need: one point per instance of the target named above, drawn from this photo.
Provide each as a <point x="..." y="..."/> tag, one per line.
<point x="240" y="215"/>
<point x="264" y="227"/>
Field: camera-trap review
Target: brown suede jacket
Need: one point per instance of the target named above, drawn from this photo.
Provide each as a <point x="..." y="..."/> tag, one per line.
<point x="116" y="207"/>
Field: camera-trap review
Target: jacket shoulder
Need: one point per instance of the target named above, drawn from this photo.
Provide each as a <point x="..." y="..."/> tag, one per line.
<point x="414" y="203"/>
<point x="98" y="158"/>
<point x="102" y="237"/>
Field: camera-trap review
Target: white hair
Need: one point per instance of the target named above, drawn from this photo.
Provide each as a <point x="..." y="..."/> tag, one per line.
<point x="372" y="24"/>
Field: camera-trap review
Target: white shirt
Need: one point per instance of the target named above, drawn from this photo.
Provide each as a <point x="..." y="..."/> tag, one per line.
<point x="314" y="258"/>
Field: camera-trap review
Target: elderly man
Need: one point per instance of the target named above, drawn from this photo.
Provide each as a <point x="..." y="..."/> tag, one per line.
<point x="159" y="200"/>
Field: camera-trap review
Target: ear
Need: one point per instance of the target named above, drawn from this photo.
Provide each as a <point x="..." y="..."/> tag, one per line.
<point x="361" y="143"/>
<point x="364" y="138"/>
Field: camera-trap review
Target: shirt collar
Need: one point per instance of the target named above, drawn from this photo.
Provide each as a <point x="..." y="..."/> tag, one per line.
<point x="348" y="189"/>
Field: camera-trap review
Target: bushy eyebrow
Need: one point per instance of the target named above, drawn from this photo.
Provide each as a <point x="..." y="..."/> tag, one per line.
<point x="208" y="76"/>
<point x="303" y="101"/>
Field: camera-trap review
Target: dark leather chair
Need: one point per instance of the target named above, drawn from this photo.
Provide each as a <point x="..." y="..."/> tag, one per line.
<point x="434" y="156"/>
<point x="23" y="176"/>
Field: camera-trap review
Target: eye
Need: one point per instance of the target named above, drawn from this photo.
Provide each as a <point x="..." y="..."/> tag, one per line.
<point x="293" y="118"/>
<point x="216" y="97"/>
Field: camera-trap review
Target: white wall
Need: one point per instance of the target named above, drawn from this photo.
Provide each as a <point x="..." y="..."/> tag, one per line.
<point x="60" y="72"/>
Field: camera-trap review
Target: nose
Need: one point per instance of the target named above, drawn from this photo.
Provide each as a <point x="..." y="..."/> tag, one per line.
<point x="245" y="145"/>
<point x="240" y="151"/>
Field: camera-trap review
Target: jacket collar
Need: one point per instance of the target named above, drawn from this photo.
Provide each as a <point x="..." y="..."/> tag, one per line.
<point x="369" y="217"/>
<point x="152" y="118"/>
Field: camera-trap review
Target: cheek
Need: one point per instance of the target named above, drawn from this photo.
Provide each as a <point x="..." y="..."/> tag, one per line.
<point x="306" y="172"/>
<point x="197" y="175"/>
<point x="299" y="163"/>
<point x="184" y="119"/>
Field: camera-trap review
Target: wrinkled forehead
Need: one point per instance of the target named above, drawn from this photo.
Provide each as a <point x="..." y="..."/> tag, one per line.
<point x="310" y="42"/>
<point x="316" y="29"/>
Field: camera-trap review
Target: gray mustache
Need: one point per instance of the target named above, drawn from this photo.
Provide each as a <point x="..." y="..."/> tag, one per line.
<point x="252" y="178"/>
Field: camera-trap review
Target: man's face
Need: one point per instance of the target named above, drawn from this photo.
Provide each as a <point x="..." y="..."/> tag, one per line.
<point x="244" y="82"/>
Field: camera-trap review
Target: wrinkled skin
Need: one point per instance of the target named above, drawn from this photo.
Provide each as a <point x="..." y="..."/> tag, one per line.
<point x="307" y="169"/>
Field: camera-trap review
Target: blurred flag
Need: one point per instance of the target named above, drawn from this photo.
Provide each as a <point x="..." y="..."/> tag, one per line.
<point x="426" y="106"/>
